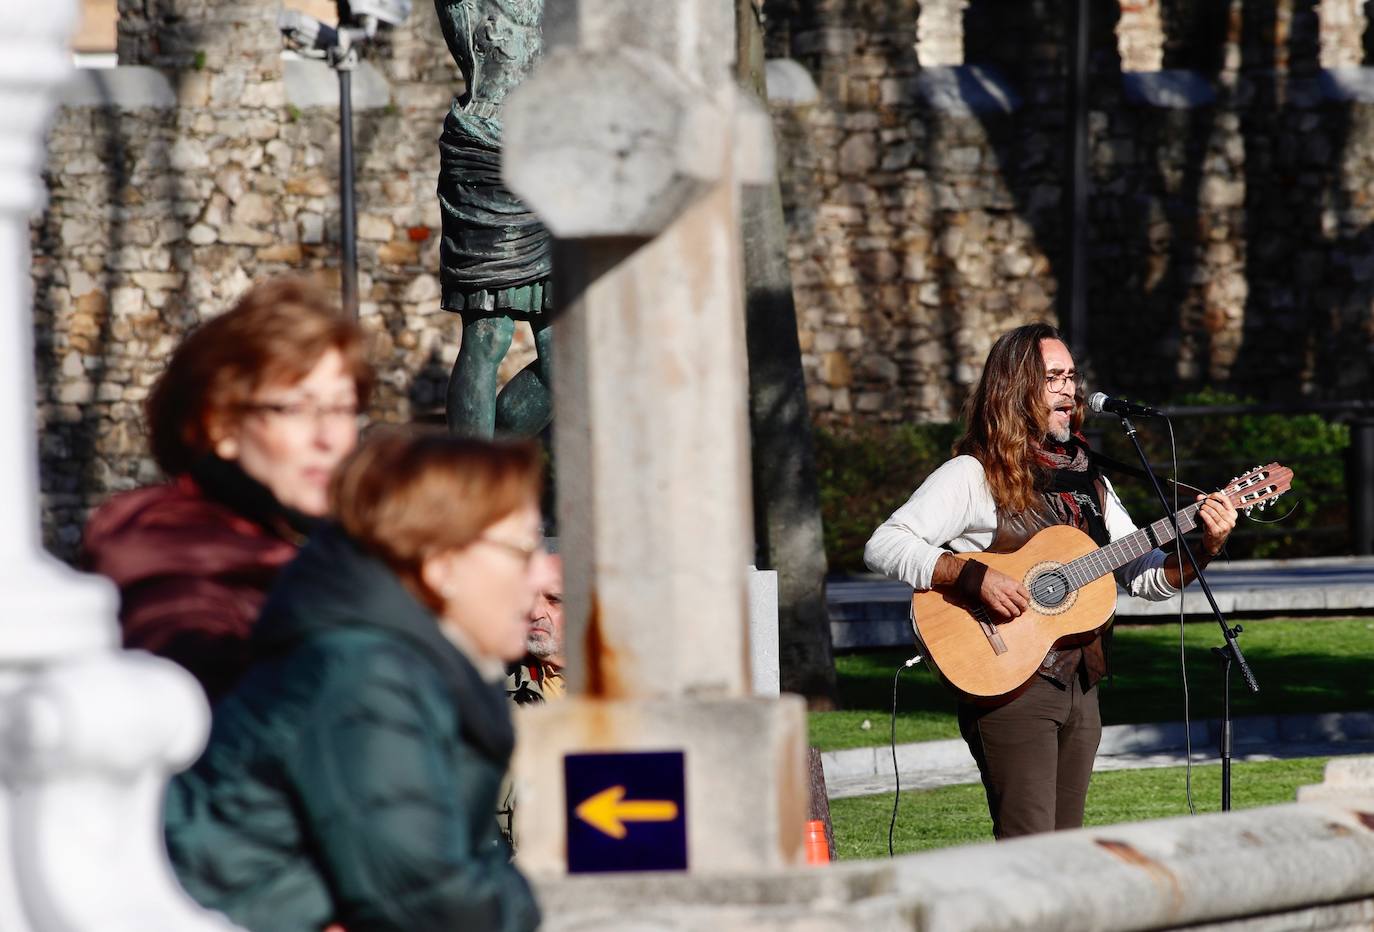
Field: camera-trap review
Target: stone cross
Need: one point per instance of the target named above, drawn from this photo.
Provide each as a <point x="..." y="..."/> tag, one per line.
<point x="88" y="735"/>
<point x="630" y="141"/>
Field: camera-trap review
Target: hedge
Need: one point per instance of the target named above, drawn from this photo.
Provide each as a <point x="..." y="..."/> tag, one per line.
<point x="867" y="472"/>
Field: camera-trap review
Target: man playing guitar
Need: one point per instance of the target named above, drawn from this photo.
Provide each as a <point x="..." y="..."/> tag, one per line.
<point x="1022" y="466"/>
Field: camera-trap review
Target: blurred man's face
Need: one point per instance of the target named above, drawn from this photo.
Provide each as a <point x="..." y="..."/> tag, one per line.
<point x="545" y="639"/>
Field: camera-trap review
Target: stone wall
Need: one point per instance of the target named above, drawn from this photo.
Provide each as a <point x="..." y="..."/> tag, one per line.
<point x="1230" y="217"/>
<point x="173" y="188"/>
<point x="1230" y="208"/>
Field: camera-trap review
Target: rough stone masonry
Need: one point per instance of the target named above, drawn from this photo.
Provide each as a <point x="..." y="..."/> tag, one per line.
<point x="1232" y="215"/>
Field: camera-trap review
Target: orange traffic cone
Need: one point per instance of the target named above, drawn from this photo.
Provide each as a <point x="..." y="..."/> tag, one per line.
<point x="817" y="848"/>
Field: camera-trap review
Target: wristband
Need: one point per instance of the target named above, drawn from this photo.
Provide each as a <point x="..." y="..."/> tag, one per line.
<point x="970" y="581"/>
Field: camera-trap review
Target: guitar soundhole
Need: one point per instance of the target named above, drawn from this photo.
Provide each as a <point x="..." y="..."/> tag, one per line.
<point x="1050" y="589"/>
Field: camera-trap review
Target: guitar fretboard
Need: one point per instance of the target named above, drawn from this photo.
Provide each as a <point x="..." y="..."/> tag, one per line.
<point x="1118" y="553"/>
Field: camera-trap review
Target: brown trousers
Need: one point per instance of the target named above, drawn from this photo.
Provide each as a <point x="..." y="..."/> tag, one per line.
<point x="1035" y="755"/>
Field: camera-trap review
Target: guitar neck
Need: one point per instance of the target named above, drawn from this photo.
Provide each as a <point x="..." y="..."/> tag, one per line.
<point x="1118" y="553"/>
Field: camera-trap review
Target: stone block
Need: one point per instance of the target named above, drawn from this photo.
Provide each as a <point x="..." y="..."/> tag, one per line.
<point x="373" y="227"/>
<point x="835" y="369"/>
<point x="967" y="90"/>
<point x="286" y="253"/>
<point x="765" y="675"/>
<point x="253" y="209"/>
<point x="789" y="83"/>
<point x="311" y="227"/>
<point x="696" y="39"/>
<point x="1345" y="779"/>
<point x="611" y="144"/>
<point x="307" y="83"/>
<point x="399" y="252"/>
<point x="746" y="778"/>
<point x="1174" y="89"/>
<point x="859" y="155"/>
<point x="129" y="87"/>
<point x="237" y="234"/>
<point x="842" y="897"/>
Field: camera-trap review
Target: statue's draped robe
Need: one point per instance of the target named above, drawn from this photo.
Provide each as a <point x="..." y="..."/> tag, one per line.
<point x="495" y="255"/>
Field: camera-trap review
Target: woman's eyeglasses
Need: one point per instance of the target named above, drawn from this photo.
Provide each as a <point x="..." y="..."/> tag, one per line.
<point x="522" y="553"/>
<point x="303" y="412"/>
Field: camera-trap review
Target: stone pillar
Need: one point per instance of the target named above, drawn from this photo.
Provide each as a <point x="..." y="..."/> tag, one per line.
<point x="631" y="141"/>
<point x="88" y="734"/>
<point x="940" y="33"/>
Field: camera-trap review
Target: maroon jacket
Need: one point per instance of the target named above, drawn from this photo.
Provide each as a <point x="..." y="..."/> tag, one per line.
<point x="192" y="573"/>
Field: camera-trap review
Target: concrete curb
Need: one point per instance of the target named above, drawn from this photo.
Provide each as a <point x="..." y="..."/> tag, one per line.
<point x="871" y="611"/>
<point x="923" y="764"/>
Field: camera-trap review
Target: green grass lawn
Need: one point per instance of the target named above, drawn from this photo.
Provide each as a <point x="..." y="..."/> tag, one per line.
<point x="1303" y="665"/>
<point x="956" y="815"/>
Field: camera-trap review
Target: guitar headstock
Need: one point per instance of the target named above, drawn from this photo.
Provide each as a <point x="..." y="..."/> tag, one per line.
<point x="1258" y="487"/>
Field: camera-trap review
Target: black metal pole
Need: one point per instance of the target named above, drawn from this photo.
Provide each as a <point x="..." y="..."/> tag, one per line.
<point x="1074" y="305"/>
<point x="348" y="221"/>
<point x="1224" y="655"/>
<point x="1231" y="650"/>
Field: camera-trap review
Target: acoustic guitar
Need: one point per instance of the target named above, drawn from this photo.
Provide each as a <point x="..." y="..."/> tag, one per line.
<point x="1072" y="592"/>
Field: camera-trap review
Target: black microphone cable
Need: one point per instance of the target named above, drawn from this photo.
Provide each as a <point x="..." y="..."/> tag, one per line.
<point x="896" y="776"/>
<point x="1182" y="652"/>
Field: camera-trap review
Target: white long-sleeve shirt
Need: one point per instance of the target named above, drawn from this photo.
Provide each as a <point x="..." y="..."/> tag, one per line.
<point x="954" y="511"/>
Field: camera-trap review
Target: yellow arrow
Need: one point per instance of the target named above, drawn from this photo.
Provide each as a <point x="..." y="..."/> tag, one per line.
<point x="607" y="811"/>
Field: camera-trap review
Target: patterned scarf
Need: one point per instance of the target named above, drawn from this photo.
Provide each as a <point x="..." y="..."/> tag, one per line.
<point x="1069" y="484"/>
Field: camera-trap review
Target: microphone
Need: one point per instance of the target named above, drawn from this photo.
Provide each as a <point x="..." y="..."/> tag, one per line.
<point x="1103" y="403"/>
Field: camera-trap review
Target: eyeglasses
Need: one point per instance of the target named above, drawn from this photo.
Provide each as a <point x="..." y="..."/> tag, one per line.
<point x="304" y="411"/>
<point x="522" y="553"/>
<point x="1056" y="381"/>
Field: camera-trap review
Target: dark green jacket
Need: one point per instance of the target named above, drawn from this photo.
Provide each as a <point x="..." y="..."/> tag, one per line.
<point x="352" y="776"/>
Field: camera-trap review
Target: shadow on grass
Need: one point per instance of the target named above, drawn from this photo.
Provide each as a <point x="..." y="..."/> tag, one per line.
<point x="1303" y="667"/>
<point x="957" y="815"/>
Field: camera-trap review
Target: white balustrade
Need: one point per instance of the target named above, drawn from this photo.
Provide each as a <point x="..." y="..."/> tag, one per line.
<point x="88" y="733"/>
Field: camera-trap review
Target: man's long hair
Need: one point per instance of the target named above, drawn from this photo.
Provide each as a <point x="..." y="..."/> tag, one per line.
<point x="1005" y="417"/>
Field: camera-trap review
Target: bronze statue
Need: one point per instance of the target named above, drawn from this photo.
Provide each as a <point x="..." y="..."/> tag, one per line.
<point x="494" y="257"/>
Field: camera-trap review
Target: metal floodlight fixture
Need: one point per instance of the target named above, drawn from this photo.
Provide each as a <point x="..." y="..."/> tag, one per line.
<point x="307" y="34"/>
<point x="358" y="22"/>
<point x="386" y="12"/>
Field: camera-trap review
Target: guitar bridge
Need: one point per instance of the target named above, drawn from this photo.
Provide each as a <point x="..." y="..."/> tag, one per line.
<point x="990" y="631"/>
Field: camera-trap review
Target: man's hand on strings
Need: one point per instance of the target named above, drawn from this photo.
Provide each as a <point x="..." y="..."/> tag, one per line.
<point x="1003" y="595"/>
<point x="974" y="580"/>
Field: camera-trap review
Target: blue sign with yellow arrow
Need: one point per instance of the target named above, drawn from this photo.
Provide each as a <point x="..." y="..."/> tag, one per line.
<point x="626" y="811"/>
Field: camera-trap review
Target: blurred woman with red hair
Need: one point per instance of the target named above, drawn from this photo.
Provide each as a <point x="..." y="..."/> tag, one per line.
<point x="255" y="410"/>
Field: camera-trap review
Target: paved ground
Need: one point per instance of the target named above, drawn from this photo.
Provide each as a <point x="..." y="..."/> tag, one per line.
<point x="928" y="764"/>
<point x="874" y="612"/>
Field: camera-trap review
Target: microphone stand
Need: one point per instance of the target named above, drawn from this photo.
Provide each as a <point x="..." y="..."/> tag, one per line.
<point x="1230" y="652"/>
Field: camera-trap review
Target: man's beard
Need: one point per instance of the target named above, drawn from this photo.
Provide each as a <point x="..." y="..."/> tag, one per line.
<point x="1062" y="435"/>
<point x="541" y="644"/>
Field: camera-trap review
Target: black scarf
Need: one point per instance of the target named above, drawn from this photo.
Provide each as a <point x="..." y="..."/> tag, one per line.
<point x="227" y="483"/>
